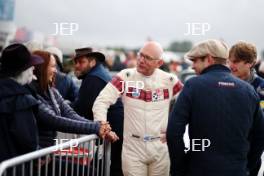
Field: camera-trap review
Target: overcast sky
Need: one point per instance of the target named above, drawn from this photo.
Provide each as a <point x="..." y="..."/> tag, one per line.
<point x="131" y="22"/>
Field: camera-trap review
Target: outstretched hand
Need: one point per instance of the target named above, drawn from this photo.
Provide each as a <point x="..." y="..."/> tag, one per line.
<point x="104" y="129"/>
<point x="111" y="136"/>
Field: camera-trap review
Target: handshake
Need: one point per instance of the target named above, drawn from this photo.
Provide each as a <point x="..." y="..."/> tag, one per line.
<point x="106" y="133"/>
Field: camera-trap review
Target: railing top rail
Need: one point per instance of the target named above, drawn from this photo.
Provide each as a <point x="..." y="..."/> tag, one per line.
<point x="39" y="153"/>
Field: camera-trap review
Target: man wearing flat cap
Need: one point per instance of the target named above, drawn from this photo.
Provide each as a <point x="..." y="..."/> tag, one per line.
<point x="220" y="109"/>
<point x="89" y="67"/>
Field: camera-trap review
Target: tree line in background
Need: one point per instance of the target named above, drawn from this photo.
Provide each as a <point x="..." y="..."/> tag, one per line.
<point x="176" y="46"/>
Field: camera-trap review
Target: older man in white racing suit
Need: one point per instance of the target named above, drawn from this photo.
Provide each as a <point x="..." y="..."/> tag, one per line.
<point x="146" y="92"/>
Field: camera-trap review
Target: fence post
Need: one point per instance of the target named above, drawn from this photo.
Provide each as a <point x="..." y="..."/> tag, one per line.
<point x="107" y="150"/>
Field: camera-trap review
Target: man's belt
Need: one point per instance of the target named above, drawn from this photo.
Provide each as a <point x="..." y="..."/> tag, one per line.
<point x="146" y="138"/>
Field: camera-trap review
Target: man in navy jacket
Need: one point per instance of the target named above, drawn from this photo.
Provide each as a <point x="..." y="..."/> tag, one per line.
<point x="221" y="109"/>
<point x="89" y="67"/>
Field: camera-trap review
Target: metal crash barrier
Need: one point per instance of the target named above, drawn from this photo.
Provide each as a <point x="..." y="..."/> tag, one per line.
<point x="84" y="156"/>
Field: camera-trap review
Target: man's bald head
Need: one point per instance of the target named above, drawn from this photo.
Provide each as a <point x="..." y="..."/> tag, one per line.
<point x="153" y="49"/>
<point x="149" y="58"/>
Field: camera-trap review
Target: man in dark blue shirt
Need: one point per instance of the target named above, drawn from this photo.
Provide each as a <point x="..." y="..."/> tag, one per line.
<point x="220" y="109"/>
<point x="242" y="59"/>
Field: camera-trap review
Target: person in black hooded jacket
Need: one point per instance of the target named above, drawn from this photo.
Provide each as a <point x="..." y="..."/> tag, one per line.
<point x="18" y="128"/>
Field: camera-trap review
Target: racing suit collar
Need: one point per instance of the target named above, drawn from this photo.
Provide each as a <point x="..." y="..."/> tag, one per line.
<point x="155" y="71"/>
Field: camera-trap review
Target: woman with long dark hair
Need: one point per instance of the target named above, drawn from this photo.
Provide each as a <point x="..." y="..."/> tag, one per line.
<point x="54" y="113"/>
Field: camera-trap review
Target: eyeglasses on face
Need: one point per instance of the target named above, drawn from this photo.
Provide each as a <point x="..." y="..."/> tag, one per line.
<point x="145" y="57"/>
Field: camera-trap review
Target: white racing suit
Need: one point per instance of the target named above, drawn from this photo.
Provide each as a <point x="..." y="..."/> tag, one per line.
<point x="146" y="102"/>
